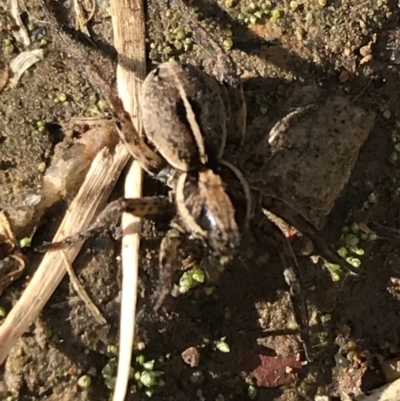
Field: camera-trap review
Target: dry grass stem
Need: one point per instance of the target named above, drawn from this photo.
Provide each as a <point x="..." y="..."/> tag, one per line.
<point x="129" y="41"/>
<point x="80" y="19"/>
<point x="17" y="8"/>
<point x="23" y="62"/>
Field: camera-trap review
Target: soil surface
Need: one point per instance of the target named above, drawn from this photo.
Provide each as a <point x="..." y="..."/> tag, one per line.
<point x="338" y="166"/>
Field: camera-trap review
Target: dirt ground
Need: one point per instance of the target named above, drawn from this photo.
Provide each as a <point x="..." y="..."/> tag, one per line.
<point x="343" y="55"/>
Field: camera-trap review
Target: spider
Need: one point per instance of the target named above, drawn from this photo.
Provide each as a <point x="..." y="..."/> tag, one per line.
<point x="194" y="125"/>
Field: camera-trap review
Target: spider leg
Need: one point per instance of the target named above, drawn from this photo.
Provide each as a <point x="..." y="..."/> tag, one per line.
<point x="295" y="219"/>
<point x="141" y="207"/>
<point x="385" y="232"/>
<point x="291" y="273"/>
<point x="279" y="136"/>
<point x="137" y="147"/>
<point x="167" y="265"/>
<point x="225" y="72"/>
<point x="225" y="66"/>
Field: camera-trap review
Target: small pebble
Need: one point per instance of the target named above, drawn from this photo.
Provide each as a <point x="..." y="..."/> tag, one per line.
<point x="365" y="50"/>
<point x="191" y="356"/>
<point x="387" y="114"/>
<point x="366" y="59"/>
<point x="344" y="76"/>
<point x="197" y="377"/>
<point x="347" y="51"/>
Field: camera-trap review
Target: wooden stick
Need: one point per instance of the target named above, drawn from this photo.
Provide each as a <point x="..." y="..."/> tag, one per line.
<point x="129" y="41"/>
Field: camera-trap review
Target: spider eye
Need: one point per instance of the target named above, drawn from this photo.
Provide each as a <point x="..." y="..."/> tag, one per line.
<point x="207" y="220"/>
<point x="222" y="236"/>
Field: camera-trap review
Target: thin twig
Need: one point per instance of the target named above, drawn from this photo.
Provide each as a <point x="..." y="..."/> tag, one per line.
<point x="82" y="294"/>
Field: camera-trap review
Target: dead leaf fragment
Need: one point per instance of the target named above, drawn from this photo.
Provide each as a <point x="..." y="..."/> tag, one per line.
<point x="22" y="62"/>
<point x="271" y="371"/>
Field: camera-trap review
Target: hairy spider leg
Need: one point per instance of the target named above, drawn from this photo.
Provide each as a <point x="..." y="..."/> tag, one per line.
<point x="277" y="139"/>
<point x="278" y="135"/>
<point x="225" y="65"/>
<point x="385" y="232"/>
<point x="295" y="219"/>
<point x="167" y="265"/>
<point x="225" y="72"/>
<point x="141" y="207"/>
<point x="137" y="147"/>
<point x="291" y="273"/>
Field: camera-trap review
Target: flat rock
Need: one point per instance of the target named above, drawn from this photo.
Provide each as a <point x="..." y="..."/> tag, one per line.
<point x="317" y="159"/>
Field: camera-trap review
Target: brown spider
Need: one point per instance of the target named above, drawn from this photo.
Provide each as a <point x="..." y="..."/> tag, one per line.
<point x="194" y="124"/>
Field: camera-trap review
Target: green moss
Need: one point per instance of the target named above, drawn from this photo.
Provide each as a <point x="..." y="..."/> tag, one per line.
<point x="255" y="12"/>
<point x="276" y="15"/>
<point x="142" y="373"/>
<point x="84" y="382"/>
<point x="3" y="312"/>
<point x="190" y="279"/>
